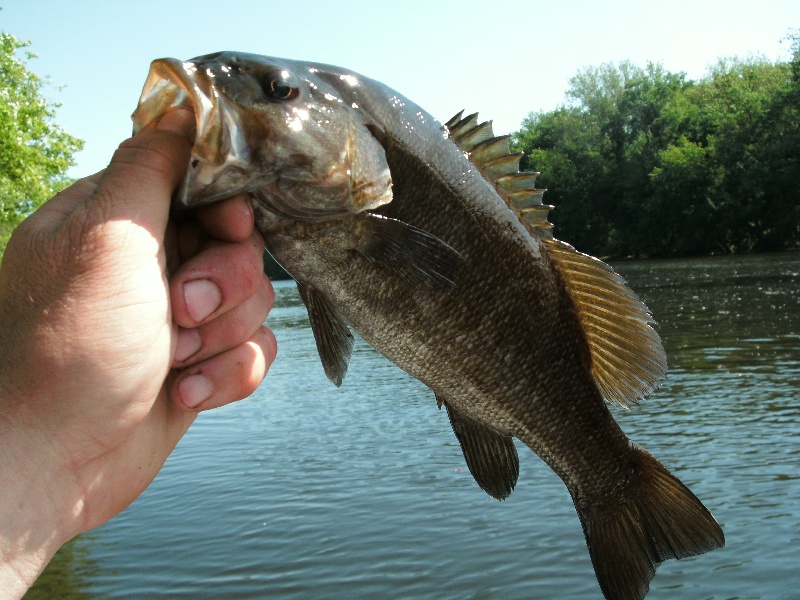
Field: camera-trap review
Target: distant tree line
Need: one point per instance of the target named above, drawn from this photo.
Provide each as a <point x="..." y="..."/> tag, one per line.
<point x="644" y="162"/>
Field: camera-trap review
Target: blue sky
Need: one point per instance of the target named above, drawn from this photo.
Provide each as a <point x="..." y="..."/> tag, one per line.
<point x="502" y="58"/>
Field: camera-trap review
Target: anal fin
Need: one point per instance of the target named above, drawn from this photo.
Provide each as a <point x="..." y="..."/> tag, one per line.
<point x="491" y="457"/>
<point x="331" y="333"/>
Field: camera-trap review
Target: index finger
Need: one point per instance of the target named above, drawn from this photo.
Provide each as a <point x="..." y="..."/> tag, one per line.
<point x="230" y="220"/>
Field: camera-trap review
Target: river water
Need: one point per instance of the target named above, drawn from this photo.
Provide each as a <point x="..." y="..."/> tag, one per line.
<point x="308" y="491"/>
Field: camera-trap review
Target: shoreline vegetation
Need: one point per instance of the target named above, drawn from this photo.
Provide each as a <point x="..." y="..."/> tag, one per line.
<point x="645" y="163"/>
<point x="638" y="162"/>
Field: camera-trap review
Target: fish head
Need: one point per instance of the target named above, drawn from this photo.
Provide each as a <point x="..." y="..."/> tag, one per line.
<point x="271" y="128"/>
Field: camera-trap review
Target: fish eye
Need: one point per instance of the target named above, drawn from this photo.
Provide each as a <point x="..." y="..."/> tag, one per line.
<point x="279" y="86"/>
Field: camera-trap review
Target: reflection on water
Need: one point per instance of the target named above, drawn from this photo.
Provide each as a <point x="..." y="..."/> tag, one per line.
<point x="311" y="491"/>
<point x="729" y="412"/>
<point x="69" y="575"/>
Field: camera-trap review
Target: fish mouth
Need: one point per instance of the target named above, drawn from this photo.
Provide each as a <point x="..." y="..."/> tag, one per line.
<point x="220" y="157"/>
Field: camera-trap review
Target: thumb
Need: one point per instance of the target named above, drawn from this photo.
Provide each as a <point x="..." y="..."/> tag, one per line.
<point x="144" y="172"/>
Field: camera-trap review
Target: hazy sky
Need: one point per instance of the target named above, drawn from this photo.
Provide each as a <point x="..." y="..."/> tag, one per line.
<point x="502" y="58"/>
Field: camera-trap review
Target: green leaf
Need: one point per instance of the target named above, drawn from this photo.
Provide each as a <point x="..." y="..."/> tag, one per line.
<point x="34" y="151"/>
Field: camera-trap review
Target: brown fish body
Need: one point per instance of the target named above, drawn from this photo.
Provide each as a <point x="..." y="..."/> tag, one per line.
<point x="457" y="280"/>
<point x="503" y="345"/>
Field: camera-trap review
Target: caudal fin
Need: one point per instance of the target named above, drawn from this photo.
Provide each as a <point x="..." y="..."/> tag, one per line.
<point x="653" y="518"/>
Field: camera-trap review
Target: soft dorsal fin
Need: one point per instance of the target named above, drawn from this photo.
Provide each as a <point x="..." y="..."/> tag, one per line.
<point x="628" y="358"/>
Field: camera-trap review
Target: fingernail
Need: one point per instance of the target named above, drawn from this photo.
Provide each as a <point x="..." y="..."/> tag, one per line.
<point x="202" y="298"/>
<point x="189" y="343"/>
<point x="179" y="120"/>
<point x="194" y="390"/>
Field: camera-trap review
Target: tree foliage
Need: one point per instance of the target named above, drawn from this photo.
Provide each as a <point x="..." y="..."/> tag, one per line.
<point x="641" y="161"/>
<point x="34" y="151"/>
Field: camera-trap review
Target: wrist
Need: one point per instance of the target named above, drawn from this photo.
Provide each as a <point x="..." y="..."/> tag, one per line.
<point x="31" y="528"/>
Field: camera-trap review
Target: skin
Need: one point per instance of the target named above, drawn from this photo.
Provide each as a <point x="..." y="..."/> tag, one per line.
<point x="119" y="324"/>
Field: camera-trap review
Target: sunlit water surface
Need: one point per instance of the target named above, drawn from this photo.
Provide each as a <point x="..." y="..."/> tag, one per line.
<point x="308" y="491"/>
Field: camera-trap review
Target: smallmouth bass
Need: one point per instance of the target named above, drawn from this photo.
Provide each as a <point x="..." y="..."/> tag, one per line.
<point x="428" y="241"/>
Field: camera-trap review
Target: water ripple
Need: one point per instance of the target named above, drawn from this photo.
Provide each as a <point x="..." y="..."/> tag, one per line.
<point x="307" y="491"/>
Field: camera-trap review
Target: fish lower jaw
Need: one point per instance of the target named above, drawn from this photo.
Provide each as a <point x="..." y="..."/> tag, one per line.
<point x="206" y="182"/>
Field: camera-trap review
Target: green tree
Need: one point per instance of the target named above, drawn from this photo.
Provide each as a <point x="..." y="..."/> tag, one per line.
<point x="568" y="151"/>
<point x="681" y="208"/>
<point x="743" y="119"/>
<point x="602" y="146"/>
<point x="780" y="149"/>
<point x="645" y="162"/>
<point x="34" y="151"/>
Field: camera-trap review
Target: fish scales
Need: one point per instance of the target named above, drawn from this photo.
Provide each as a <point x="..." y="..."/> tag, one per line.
<point x="513" y="297"/>
<point x="442" y="259"/>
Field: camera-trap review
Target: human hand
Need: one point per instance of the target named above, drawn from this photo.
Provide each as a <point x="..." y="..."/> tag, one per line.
<point x="118" y="325"/>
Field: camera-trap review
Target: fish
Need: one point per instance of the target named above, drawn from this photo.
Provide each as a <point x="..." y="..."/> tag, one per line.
<point x="426" y="240"/>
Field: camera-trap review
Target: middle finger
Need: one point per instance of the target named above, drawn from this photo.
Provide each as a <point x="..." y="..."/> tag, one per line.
<point x="226" y="331"/>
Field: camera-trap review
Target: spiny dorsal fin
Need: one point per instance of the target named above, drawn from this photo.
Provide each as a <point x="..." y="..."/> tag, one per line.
<point x="493" y="158"/>
<point x="628" y="359"/>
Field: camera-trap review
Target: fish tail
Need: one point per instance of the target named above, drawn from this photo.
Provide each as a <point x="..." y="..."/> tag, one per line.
<point x="652" y="518"/>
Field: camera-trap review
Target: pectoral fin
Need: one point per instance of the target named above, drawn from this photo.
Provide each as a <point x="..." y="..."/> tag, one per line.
<point x="420" y="258"/>
<point x="333" y="337"/>
<point x="491" y="457"/>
